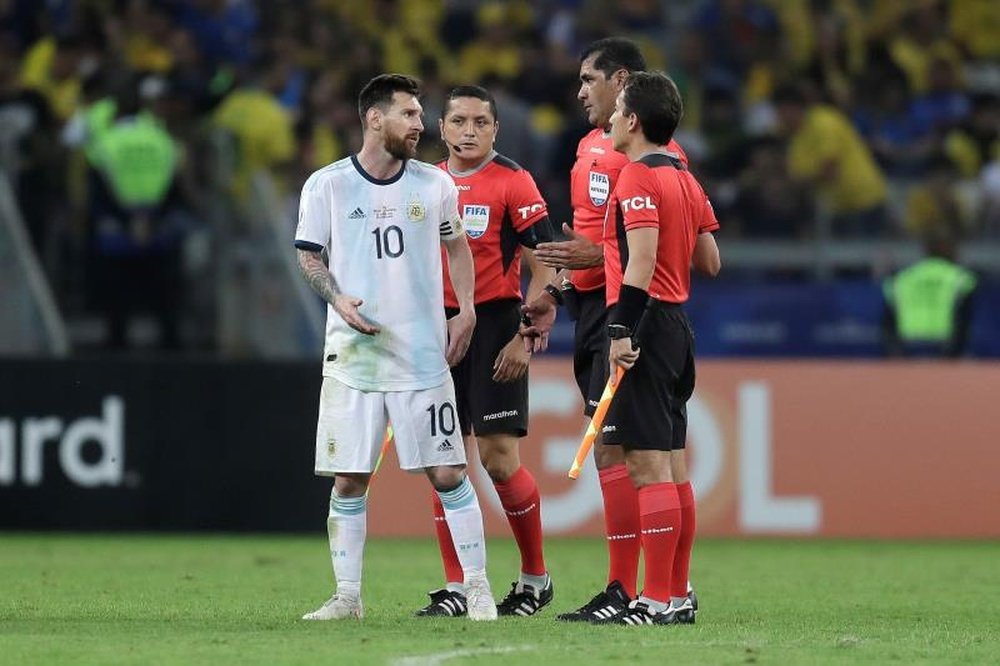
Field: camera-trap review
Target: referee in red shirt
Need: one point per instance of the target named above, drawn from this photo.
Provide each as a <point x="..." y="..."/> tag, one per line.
<point x="605" y="66"/>
<point x="505" y="217"/>
<point x="654" y="220"/>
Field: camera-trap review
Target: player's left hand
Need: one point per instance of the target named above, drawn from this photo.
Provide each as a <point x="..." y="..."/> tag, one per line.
<point x="577" y="252"/>
<point x="511" y="362"/>
<point x="460" y="328"/>
<point x="622" y="355"/>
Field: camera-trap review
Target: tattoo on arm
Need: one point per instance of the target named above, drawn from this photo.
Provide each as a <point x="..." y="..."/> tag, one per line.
<point x="317" y="276"/>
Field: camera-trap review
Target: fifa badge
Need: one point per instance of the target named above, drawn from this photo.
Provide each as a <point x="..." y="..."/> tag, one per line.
<point x="600" y="188"/>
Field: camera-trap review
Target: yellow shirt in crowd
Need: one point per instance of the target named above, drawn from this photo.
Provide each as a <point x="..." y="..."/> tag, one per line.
<point x="263" y="130"/>
<point x="826" y="136"/>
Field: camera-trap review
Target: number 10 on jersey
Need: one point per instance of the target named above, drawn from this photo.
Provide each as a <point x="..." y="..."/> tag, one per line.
<point x="388" y="241"/>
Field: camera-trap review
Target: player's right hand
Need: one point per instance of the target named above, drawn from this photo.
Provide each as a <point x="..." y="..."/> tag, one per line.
<point x="460" y="328"/>
<point x="347" y="307"/>
<point x="540" y="315"/>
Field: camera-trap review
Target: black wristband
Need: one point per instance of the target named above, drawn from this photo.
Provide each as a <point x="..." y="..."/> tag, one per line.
<point x="631" y="304"/>
<point x="554" y="293"/>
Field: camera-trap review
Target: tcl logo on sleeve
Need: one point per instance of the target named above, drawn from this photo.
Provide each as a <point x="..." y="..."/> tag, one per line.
<point x="638" y="203"/>
<point x="528" y="211"/>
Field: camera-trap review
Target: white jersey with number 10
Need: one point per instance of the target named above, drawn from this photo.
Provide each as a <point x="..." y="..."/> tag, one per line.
<point x="384" y="241"/>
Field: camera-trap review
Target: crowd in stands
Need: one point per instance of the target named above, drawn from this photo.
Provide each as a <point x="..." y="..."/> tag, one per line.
<point x="854" y="118"/>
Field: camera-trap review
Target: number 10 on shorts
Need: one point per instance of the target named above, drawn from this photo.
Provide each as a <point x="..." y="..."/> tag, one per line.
<point x="442" y="418"/>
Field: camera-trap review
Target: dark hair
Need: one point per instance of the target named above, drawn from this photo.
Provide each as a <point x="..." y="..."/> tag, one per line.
<point x="614" y="53"/>
<point x="379" y="91"/>
<point x="653" y="97"/>
<point x="470" y="91"/>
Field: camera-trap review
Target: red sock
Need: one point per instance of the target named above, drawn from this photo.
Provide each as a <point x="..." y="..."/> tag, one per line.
<point x="621" y="525"/>
<point x="452" y="567"/>
<point x="522" y="504"/>
<point x="682" y="560"/>
<point x="660" y="519"/>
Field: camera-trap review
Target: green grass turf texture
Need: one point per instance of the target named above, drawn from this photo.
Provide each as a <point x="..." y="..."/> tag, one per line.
<point x="142" y="599"/>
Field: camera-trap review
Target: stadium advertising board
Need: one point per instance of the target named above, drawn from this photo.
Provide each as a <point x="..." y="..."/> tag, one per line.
<point x="866" y="449"/>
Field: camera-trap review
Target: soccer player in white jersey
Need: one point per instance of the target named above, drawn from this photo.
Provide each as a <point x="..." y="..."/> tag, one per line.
<point x="382" y="216"/>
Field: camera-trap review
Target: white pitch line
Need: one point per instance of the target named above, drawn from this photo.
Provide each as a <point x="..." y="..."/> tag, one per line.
<point x="439" y="658"/>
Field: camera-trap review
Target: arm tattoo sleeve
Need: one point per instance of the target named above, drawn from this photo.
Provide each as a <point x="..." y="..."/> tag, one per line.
<point x="317" y="276"/>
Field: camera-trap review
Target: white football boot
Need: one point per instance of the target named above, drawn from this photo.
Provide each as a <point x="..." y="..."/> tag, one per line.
<point x="338" y="607"/>
<point x="481" y="606"/>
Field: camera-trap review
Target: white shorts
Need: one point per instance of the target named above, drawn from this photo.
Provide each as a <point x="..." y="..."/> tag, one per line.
<point x="352" y="427"/>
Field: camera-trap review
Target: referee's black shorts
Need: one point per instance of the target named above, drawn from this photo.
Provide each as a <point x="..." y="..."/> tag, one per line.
<point x="649" y="410"/>
<point x="485" y="406"/>
<point x="590" y="347"/>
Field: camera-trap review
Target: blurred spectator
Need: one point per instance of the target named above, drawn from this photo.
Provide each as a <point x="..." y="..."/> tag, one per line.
<point x="263" y="129"/>
<point x="223" y="29"/>
<point x="928" y="306"/>
<point x="944" y="104"/>
<point x="55" y="67"/>
<point x="975" y="26"/>
<point x="770" y="204"/>
<point x="732" y="30"/>
<point x="976" y="142"/>
<point x="826" y="153"/>
<point x="147" y="28"/>
<point x="496" y="52"/>
<point x="935" y="207"/>
<point x="840" y="54"/>
<point x="899" y="141"/>
<point x="28" y="149"/>
<point x="722" y="134"/>
<point x="518" y="137"/>
<point x="136" y="231"/>
<point x="921" y="41"/>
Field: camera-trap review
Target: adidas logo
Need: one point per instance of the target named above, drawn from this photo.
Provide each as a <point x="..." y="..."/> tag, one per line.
<point x="445" y="446"/>
<point x="357" y="214"/>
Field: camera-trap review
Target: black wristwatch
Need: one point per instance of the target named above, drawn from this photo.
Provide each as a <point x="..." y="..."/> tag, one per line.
<point x="554" y="293"/>
<point x="619" y="331"/>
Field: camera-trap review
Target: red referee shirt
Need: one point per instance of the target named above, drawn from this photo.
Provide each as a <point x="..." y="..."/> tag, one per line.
<point x="657" y="191"/>
<point x="495" y="202"/>
<point x="592" y="181"/>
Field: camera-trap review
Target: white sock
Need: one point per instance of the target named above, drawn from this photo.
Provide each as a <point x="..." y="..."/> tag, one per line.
<point x="654" y="605"/>
<point x="537" y="582"/>
<point x="677" y="602"/>
<point x="465" y="520"/>
<point x="347" y="528"/>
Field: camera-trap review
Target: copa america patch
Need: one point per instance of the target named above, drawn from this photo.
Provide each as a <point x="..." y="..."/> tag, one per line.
<point x="476" y="218"/>
<point x="600" y="188"/>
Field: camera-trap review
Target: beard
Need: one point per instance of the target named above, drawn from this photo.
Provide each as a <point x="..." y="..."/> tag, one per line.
<point x="399" y="147"/>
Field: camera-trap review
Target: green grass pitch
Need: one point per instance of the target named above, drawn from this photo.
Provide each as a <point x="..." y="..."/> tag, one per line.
<point x="125" y="599"/>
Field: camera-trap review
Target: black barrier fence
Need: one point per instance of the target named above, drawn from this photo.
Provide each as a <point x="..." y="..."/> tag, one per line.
<point x="159" y="445"/>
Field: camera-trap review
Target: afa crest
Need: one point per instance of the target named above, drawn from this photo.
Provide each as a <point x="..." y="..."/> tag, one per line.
<point x="415" y="211"/>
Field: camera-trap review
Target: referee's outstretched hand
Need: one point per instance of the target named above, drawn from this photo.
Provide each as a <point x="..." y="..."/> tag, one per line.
<point x="347" y="307"/>
<point x="576" y="252"/>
